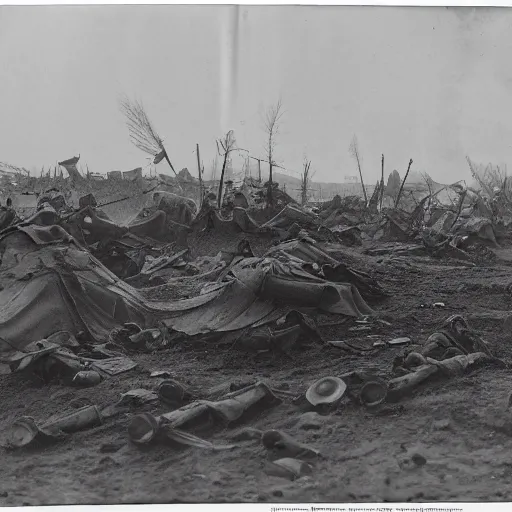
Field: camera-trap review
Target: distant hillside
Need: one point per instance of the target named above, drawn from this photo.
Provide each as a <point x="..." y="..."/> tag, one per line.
<point x="322" y="190"/>
<point x="319" y="191"/>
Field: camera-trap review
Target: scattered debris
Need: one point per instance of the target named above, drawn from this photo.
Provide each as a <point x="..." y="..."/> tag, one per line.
<point x="399" y="341"/>
<point x="288" y="468"/>
<point x="373" y="393"/>
<point x="281" y="445"/>
<point x="25" y="431"/>
<point x="88" y="300"/>
<point x="328" y="390"/>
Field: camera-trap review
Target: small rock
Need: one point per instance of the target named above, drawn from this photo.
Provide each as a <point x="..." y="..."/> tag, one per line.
<point x="108" y="461"/>
<point x="4" y="494"/>
<point x="277" y="493"/>
<point x="399" y="341"/>
<point x="262" y="497"/>
<point x="111" y="447"/>
<point x="247" y="434"/>
<point x="441" y="424"/>
<point x="418" y="459"/>
<point x="310" y="421"/>
<point x="161" y="373"/>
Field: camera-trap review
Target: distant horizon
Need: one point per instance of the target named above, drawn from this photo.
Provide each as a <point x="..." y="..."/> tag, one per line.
<point x="413" y="175"/>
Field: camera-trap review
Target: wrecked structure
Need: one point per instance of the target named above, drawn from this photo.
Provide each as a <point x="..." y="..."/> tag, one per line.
<point x="101" y="279"/>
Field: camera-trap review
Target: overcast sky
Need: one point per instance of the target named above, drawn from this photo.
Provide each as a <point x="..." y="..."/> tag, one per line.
<point x="432" y="84"/>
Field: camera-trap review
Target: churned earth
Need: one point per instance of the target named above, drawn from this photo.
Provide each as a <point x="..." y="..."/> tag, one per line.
<point x="461" y="427"/>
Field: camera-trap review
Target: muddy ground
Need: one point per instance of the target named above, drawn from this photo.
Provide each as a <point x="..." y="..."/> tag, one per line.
<point x="462" y="427"/>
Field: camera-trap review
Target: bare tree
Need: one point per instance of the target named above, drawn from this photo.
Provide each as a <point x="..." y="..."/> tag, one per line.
<point x="305" y="181"/>
<point x="142" y="132"/>
<point x="272" y="119"/>
<point x="228" y="144"/>
<point x="213" y="172"/>
<point x="354" y="151"/>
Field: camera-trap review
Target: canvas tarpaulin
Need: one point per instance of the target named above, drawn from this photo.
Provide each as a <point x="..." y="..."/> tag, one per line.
<point x="49" y="287"/>
<point x="238" y="220"/>
<point x="302" y="251"/>
<point x="262" y="290"/>
<point x="288" y="215"/>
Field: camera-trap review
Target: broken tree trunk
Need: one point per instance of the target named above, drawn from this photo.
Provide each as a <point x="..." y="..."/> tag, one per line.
<point x="305" y="179"/>
<point x="221" y="184"/>
<point x="361" y="176"/>
<point x="403" y="183"/>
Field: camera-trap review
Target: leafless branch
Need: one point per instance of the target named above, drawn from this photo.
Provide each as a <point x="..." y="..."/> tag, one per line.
<point x="305" y="180"/>
<point x="354" y="152"/>
<point x="272" y="123"/>
<point x="142" y="132"/>
<point x="228" y="144"/>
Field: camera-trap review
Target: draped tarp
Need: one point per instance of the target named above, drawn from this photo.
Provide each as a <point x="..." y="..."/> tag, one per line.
<point x="287" y="216"/>
<point x="50" y="284"/>
<point x="303" y="251"/>
<point x="49" y="287"/>
<point x="239" y="220"/>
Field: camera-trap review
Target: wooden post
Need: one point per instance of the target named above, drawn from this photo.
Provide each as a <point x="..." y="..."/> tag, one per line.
<point x="259" y="170"/>
<point x="221" y="183"/>
<point x="403" y="183"/>
<point x="381" y="183"/>
<point x="200" y="177"/>
<point x="362" y="182"/>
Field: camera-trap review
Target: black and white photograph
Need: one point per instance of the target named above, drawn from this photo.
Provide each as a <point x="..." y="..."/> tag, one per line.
<point x="255" y="254"/>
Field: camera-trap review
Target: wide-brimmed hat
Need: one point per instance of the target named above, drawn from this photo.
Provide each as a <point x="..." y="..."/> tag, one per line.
<point x="326" y="391"/>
